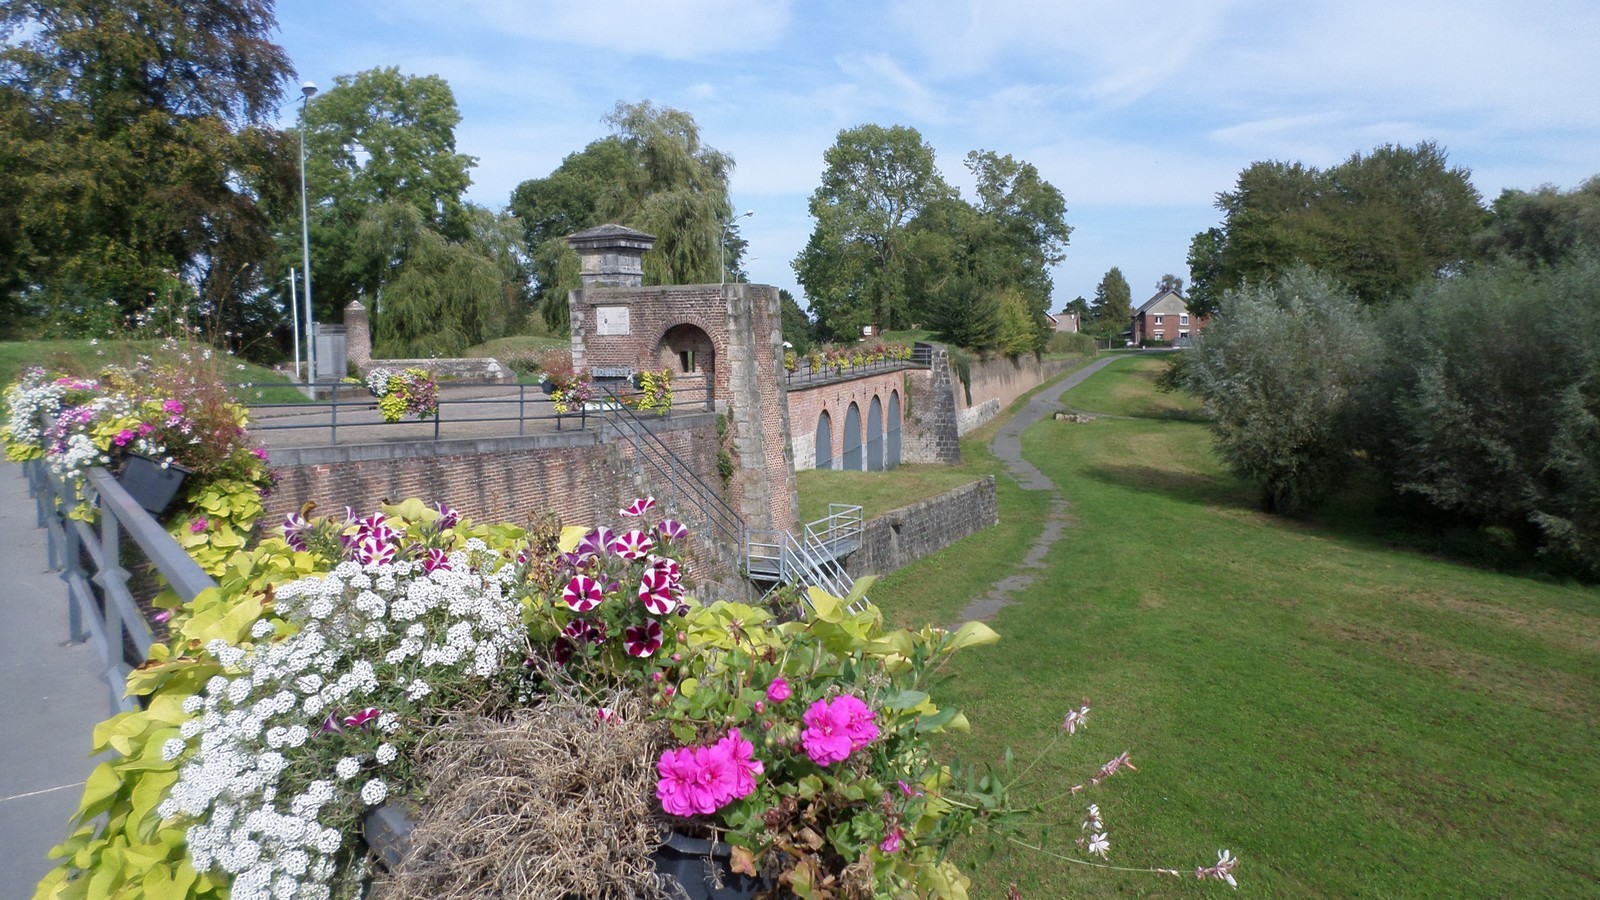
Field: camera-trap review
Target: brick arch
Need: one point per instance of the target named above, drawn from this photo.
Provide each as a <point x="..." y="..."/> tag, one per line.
<point x="687" y="349"/>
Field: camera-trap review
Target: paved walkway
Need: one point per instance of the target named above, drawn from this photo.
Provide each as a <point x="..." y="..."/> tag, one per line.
<point x="1007" y="447"/>
<point x="51" y="697"/>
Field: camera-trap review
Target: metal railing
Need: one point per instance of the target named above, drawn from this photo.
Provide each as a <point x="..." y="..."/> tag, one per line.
<point x="681" y="489"/>
<point x="90" y="556"/>
<point x="812" y="558"/>
<point x="351" y="406"/>
<point x="827" y="374"/>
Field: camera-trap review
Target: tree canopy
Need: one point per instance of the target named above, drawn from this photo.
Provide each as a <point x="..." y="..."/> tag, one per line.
<point x="1543" y="227"/>
<point x="652" y="173"/>
<point x="1382" y="223"/>
<point x="894" y="244"/>
<point x="1113" y="304"/>
<point x="134" y="151"/>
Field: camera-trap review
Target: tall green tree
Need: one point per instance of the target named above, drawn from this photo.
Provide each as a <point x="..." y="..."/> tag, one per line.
<point x="1029" y="234"/>
<point x="652" y="173"/>
<point x="1170" y="282"/>
<point x="796" y="324"/>
<point x="854" y="267"/>
<point x="1543" y="227"/>
<point x="376" y="138"/>
<point x="1381" y="222"/>
<point x="134" y="150"/>
<point x="1205" y="272"/>
<point x="1113" y="304"/>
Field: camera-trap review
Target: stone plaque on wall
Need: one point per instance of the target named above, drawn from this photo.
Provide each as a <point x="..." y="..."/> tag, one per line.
<point x="611" y="320"/>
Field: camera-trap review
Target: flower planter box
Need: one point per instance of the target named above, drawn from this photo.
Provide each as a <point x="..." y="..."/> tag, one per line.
<point x="152" y="485"/>
<point x="703" y="869"/>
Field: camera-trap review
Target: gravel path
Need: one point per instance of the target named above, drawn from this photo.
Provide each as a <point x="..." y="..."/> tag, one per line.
<point x="1007" y="446"/>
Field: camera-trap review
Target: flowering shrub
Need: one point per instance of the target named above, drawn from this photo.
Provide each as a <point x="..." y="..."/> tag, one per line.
<point x="410" y="392"/>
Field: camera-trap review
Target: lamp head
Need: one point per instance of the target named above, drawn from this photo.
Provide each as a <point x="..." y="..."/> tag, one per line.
<point x="308" y="89"/>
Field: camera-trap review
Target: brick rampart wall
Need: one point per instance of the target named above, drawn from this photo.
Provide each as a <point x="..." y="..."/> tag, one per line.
<point x="580" y="476"/>
<point x="909" y="533"/>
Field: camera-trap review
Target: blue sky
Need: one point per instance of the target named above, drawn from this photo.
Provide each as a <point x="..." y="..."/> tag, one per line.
<point x="1139" y="112"/>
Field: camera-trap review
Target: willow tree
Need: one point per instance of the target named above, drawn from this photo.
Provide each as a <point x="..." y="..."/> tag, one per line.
<point x="438" y="296"/>
<point x="653" y="174"/>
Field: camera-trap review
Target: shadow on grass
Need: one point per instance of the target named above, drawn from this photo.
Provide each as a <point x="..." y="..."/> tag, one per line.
<point x="1190" y="487"/>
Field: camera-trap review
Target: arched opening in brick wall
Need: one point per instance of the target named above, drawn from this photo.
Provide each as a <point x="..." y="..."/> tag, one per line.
<point x="875" y="435"/>
<point x="892" y="433"/>
<point x="824" y="441"/>
<point x="687" y="352"/>
<point x="852" y="439"/>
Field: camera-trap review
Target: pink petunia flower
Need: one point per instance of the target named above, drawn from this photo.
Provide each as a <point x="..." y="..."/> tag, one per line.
<point x="581" y="594"/>
<point x="596" y="542"/>
<point x="778" y="691"/>
<point x="671" y="530"/>
<point x="363" y="717"/>
<point x="642" y="640"/>
<point x="634" y="544"/>
<point x="656" y="591"/>
<point x="639" y="507"/>
<point x="436" y="558"/>
<point x="372" y="550"/>
<point x="448" y="518"/>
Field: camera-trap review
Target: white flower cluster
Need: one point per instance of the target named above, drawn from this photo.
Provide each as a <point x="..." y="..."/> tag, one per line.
<point x="280" y="741"/>
<point x="378" y="381"/>
<point x="28" y="402"/>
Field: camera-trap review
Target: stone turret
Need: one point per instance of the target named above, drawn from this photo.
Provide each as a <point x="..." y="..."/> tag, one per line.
<point x="611" y="255"/>
<point x="358" y="335"/>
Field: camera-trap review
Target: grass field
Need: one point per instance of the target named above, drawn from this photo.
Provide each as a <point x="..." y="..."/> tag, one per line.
<point x="1348" y="718"/>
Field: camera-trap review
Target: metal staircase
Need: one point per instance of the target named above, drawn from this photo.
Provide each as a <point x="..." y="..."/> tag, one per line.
<point x="772" y="557"/>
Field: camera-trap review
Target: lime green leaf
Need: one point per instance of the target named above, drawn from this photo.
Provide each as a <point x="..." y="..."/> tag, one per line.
<point x="973" y="634"/>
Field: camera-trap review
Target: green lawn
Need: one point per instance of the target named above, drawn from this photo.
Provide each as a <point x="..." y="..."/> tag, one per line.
<point x="1351" y="720"/>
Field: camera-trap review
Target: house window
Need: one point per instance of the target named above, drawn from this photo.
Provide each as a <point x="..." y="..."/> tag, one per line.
<point x="1158" y="334"/>
<point x="1183" y="335"/>
<point x="1158" y="320"/>
<point x="1183" y="319"/>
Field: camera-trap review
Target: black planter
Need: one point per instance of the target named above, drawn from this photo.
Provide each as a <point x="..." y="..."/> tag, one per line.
<point x="547" y="387"/>
<point x="152" y="485"/>
<point x="704" y="870"/>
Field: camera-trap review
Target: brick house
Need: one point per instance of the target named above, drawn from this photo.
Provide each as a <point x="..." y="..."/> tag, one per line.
<point x="1165" y="317"/>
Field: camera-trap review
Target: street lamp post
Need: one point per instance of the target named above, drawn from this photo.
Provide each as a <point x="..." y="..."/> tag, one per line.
<point x="307" y="90"/>
<point x="722" y="245"/>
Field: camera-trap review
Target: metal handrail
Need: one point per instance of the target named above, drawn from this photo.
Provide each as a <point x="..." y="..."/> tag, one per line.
<point x="680" y="479"/>
<point x="359" y="398"/>
<point x="100" y="606"/>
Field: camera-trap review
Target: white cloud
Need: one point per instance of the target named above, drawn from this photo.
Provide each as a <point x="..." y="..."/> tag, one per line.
<point x="682" y="30"/>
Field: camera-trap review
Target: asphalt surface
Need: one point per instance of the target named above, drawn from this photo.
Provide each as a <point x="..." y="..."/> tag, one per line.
<point x="51" y="697"/>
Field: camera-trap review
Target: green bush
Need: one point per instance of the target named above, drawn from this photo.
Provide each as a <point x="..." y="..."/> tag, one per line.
<point x="1071" y="342"/>
<point x="1489" y="405"/>
<point x="1279" y="372"/>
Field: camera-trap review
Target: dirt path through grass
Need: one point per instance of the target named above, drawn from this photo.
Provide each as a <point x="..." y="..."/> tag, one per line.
<point x="1007" y="447"/>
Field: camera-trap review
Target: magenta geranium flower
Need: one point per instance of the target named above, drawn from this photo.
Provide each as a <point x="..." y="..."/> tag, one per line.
<point x="778" y="691"/>
<point x="891" y="843"/>
<point x="741" y="753"/>
<point x="582" y="593"/>
<point x="835" y="729"/>
<point x="642" y="640"/>
<point x="639" y="507"/>
<point x="199" y="525"/>
<point x="634" y="544"/>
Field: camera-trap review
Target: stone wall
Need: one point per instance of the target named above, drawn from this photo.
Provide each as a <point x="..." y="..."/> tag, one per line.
<point x="1003" y="380"/>
<point x="905" y="535"/>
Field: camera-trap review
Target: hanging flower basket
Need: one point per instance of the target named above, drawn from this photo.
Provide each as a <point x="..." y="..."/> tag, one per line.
<point x="151" y="484"/>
